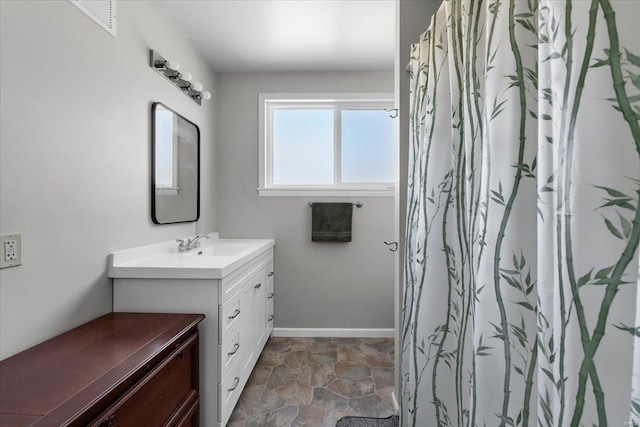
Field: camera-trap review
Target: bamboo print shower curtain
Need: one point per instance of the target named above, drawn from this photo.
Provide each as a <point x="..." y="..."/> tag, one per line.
<point x="521" y="302"/>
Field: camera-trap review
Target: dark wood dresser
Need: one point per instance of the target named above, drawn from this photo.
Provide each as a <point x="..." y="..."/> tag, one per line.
<point x="121" y="369"/>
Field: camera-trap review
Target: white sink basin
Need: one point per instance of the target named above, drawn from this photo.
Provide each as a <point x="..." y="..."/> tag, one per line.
<point x="221" y="248"/>
<point x="214" y="260"/>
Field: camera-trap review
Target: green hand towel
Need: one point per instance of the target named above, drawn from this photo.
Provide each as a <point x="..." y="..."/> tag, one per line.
<point x="331" y="222"/>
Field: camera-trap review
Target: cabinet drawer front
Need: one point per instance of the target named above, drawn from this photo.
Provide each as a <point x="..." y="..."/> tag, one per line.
<point x="270" y="276"/>
<point x="270" y="292"/>
<point x="157" y="397"/>
<point x="231" y="315"/>
<point x="270" y="312"/>
<point x="236" y="280"/>
<point x="230" y="351"/>
<point x="230" y="390"/>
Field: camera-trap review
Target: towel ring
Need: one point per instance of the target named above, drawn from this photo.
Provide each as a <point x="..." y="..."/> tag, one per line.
<point x="356" y="204"/>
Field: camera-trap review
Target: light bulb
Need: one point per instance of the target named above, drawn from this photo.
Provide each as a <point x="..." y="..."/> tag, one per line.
<point x="206" y="95"/>
<point x="172" y="65"/>
<point x="197" y="86"/>
<point x="185" y="76"/>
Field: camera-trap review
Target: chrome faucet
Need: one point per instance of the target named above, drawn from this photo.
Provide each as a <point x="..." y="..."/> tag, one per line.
<point x="190" y="244"/>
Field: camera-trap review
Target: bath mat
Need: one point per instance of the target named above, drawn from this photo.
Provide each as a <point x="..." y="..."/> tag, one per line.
<point x="392" y="421"/>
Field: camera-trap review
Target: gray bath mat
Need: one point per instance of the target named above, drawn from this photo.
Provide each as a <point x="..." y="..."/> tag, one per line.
<point x="393" y="421"/>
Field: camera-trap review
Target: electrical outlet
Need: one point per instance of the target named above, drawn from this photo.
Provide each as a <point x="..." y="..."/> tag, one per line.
<point x="10" y="250"/>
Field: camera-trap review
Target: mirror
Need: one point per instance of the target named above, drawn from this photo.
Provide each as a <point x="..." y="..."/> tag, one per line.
<point x="175" y="173"/>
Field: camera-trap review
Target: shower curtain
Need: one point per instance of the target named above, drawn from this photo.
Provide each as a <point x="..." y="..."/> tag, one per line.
<point x="521" y="303"/>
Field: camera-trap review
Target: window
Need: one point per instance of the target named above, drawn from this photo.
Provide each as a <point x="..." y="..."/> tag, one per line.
<point x="327" y="144"/>
<point x="103" y="12"/>
<point x="166" y="152"/>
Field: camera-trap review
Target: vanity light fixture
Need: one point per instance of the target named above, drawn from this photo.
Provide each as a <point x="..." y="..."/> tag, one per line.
<point x="181" y="80"/>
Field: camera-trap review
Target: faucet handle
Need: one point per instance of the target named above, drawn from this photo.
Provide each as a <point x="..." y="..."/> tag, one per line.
<point x="182" y="245"/>
<point x="196" y="240"/>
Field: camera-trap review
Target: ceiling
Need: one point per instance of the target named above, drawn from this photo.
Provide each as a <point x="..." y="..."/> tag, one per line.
<point x="289" y="35"/>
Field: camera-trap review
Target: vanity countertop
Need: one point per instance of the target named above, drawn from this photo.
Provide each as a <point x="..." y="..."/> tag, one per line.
<point x="215" y="259"/>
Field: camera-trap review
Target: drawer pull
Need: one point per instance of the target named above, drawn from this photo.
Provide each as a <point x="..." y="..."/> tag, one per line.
<point x="258" y="286"/>
<point x="236" y="346"/>
<point x="236" y="381"/>
<point x="235" y="314"/>
<point x="270" y="274"/>
<point x="271" y="295"/>
<point x="270" y="318"/>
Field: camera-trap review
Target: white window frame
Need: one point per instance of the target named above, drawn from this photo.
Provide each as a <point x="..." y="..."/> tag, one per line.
<point x="172" y="189"/>
<point x="337" y="101"/>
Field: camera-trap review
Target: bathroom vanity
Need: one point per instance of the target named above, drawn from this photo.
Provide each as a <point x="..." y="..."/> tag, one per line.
<point x="230" y="281"/>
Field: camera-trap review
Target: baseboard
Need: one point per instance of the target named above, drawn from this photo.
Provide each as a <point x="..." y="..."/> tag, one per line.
<point x="333" y="332"/>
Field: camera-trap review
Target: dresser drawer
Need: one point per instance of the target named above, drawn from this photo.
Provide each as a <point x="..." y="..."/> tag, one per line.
<point x="191" y="417"/>
<point x="161" y="395"/>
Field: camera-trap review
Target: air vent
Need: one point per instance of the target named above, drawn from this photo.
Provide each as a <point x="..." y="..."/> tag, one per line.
<point x="103" y="12"/>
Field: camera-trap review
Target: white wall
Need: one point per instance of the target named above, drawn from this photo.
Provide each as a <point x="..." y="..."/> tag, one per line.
<point x="317" y="285"/>
<point x="75" y="155"/>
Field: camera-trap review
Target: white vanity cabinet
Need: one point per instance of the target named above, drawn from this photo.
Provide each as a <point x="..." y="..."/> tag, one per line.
<point x="239" y="320"/>
<point x="245" y="331"/>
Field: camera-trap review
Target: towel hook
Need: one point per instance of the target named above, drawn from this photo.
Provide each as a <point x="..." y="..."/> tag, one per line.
<point x="395" y="247"/>
<point x="394" y="110"/>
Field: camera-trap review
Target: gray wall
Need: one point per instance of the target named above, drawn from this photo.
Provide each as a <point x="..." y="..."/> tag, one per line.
<point x="75" y="155"/>
<point x="317" y="285"/>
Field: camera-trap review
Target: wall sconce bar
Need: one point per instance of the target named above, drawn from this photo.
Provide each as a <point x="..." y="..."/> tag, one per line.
<point x="181" y="80"/>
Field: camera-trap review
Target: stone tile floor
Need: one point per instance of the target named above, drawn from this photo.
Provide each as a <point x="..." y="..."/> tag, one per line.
<point x="316" y="381"/>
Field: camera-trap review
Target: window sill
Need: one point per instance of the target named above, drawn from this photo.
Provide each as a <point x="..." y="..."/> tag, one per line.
<point x="166" y="191"/>
<point x="327" y="192"/>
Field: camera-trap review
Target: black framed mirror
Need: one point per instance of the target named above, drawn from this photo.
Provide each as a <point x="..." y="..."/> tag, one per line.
<point x="175" y="172"/>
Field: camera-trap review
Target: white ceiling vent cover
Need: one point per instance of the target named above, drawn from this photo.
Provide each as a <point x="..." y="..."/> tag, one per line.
<point x="103" y="12"/>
